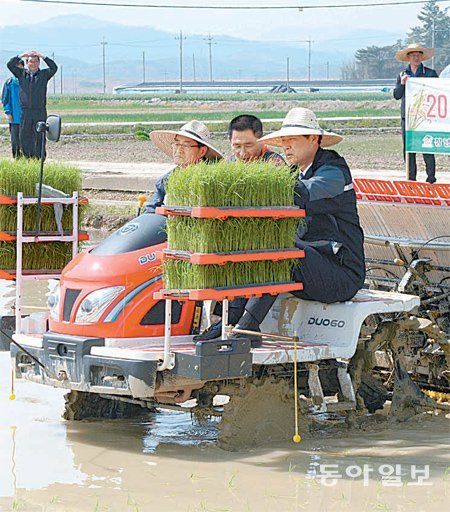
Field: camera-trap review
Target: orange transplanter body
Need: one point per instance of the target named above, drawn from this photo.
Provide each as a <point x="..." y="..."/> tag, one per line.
<point x="140" y="275"/>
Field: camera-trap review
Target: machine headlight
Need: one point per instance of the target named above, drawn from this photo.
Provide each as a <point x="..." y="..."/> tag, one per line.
<point x="53" y="302"/>
<point x="95" y="304"/>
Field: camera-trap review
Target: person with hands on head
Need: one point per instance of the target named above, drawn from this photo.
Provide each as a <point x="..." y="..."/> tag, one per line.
<point x="414" y="54"/>
<point x="33" y="96"/>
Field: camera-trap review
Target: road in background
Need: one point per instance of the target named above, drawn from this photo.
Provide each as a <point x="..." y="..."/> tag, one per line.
<point x="141" y="177"/>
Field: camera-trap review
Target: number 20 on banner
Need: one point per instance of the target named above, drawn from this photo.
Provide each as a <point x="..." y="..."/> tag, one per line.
<point x="437" y="106"/>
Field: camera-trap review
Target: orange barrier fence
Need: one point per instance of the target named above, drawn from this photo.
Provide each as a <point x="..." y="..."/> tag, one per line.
<point x="412" y="192"/>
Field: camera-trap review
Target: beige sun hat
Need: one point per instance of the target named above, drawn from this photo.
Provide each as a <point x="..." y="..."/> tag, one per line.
<point x="301" y="121"/>
<point x="195" y="130"/>
<point x="402" y="55"/>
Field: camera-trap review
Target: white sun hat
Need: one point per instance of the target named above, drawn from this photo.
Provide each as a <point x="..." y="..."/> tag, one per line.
<point x="195" y="130"/>
<point x="301" y="121"/>
<point x="402" y="55"/>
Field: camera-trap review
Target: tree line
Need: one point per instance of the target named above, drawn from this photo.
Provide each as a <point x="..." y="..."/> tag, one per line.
<point x="432" y="31"/>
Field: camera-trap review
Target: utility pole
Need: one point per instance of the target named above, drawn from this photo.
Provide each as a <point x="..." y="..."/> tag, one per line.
<point x="193" y="65"/>
<point x="328" y="70"/>
<point x="209" y="40"/>
<point x="432" y="41"/>
<point x="287" y="74"/>
<point x="180" y="38"/>
<point x="61" y="70"/>
<point x="309" y="59"/>
<point x="54" y="78"/>
<point x="104" y="43"/>
<point x="143" y="67"/>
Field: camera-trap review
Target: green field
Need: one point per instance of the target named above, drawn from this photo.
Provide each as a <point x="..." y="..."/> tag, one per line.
<point x="139" y="117"/>
<point x="108" y="101"/>
<point x="138" y="109"/>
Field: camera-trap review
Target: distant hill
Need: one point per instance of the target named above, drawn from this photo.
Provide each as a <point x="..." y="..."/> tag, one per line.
<point x="76" y="44"/>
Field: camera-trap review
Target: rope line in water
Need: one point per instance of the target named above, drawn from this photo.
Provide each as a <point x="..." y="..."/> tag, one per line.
<point x="296" y="437"/>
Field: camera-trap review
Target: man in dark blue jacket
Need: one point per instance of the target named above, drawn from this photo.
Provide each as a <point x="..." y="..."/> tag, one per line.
<point x="333" y="269"/>
<point x="415" y="54"/>
<point x="33" y="97"/>
<point x="12" y="109"/>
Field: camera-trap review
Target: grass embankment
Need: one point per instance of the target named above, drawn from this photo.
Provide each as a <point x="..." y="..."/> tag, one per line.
<point x="230" y="185"/>
<point x="22" y="176"/>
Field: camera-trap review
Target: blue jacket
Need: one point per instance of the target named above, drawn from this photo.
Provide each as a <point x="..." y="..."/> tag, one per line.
<point x="11" y="100"/>
<point x="159" y="195"/>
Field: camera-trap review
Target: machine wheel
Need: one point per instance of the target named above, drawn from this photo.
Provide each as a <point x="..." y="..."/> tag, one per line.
<point x="81" y="405"/>
<point x="260" y="411"/>
<point x="373" y="392"/>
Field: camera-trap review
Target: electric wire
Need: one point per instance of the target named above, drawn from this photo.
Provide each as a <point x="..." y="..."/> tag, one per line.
<point x="232" y="7"/>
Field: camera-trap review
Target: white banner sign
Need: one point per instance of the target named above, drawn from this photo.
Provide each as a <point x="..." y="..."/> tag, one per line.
<point x="427" y="112"/>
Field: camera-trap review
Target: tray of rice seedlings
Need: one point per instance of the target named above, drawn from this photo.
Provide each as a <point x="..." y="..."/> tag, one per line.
<point x="22" y="176"/>
<point x="51" y="256"/>
<point x="240" y="186"/>
<point x="181" y="275"/>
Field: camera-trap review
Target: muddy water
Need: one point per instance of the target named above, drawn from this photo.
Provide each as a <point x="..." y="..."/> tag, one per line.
<point x="165" y="462"/>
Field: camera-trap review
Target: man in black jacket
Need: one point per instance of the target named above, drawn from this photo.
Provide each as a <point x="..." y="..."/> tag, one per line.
<point x="33" y="97"/>
<point x="333" y="269"/>
<point x="415" y="54"/>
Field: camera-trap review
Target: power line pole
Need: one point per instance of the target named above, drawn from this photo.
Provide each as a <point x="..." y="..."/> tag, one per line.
<point x="104" y="43"/>
<point x="432" y="41"/>
<point x="143" y="67"/>
<point x="193" y="65"/>
<point x="328" y="70"/>
<point x="180" y="38"/>
<point x="209" y="40"/>
<point x="61" y="69"/>
<point x="54" y="78"/>
<point x="287" y="74"/>
<point x="309" y="59"/>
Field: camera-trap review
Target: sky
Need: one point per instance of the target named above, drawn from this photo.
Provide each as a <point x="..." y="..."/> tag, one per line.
<point x="320" y="24"/>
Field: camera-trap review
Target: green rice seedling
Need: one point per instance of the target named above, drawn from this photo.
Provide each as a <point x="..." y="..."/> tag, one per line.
<point x="255" y="184"/>
<point x="234" y="234"/>
<point x="182" y="275"/>
<point x="22" y="176"/>
<point x="8" y="218"/>
<point x="232" y="184"/>
<point x="39" y="256"/>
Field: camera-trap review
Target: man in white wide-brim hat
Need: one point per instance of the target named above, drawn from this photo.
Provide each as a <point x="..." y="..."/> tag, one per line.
<point x="414" y="54"/>
<point x="186" y="146"/>
<point x="333" y="269"/>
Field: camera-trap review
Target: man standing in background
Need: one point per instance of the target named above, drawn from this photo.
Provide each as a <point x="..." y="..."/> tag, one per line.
<point x="415" y="54"/>
<point x="11" y="107"/>
<point x="33" y="97"/>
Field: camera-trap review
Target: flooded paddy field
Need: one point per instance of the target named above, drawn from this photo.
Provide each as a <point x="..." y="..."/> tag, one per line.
<point x="165" y="461"/>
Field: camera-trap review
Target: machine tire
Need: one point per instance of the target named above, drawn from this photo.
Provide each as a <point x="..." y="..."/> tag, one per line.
<point x="373" y="392"/>
<point x="80" y="405"/>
